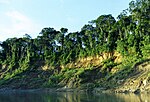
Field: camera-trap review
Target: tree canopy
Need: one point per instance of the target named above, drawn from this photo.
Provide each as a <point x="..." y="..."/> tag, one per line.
<point x="129" y="34"/>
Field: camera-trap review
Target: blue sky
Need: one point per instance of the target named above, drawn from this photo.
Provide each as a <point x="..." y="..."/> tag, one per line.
<point x="18" y="17"/>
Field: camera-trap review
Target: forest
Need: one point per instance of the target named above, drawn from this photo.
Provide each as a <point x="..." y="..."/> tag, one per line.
<point x="128" y="35"/>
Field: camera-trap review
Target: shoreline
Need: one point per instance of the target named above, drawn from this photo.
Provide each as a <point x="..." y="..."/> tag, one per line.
<point x="55" y="90"/>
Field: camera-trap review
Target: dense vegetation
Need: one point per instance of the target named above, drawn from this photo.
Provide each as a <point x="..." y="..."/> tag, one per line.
<point x="129" y="35"/>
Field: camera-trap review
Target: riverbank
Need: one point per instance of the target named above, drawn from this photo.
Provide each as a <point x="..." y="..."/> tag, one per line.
<point x="107" y="77"/>
<point x="59" y="90"/>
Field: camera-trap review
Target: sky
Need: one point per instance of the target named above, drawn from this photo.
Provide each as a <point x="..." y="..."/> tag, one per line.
<point x="20" y="17"/>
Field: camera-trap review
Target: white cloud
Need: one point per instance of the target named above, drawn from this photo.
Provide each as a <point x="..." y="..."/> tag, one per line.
<point x="17" y="24"/>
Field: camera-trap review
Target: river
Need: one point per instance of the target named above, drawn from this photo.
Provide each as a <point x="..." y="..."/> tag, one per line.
<point x="70" y="97"/>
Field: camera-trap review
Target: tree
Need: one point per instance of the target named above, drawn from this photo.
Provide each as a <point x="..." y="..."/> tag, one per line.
<point x="104" y="26"/>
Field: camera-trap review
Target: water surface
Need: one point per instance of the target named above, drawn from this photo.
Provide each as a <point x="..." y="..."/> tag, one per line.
<point x="70" y="97"/>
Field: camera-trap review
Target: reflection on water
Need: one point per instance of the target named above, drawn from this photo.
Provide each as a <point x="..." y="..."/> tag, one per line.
<point x="71" y="97"/>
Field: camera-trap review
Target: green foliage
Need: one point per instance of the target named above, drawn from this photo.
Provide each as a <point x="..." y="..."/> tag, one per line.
<point x="69" y="73"/>
<point x="129" y="35"/>
<point x="53" y="81"/>
<point x="108" y="64"/>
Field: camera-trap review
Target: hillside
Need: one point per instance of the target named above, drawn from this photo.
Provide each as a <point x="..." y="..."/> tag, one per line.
<point x="107" y="53"/>
<point x="133" y="77"/>
<point x="138" y="80"/>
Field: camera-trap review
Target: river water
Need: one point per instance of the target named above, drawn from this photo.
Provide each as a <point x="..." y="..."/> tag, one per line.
<point x="71" y="97"/>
